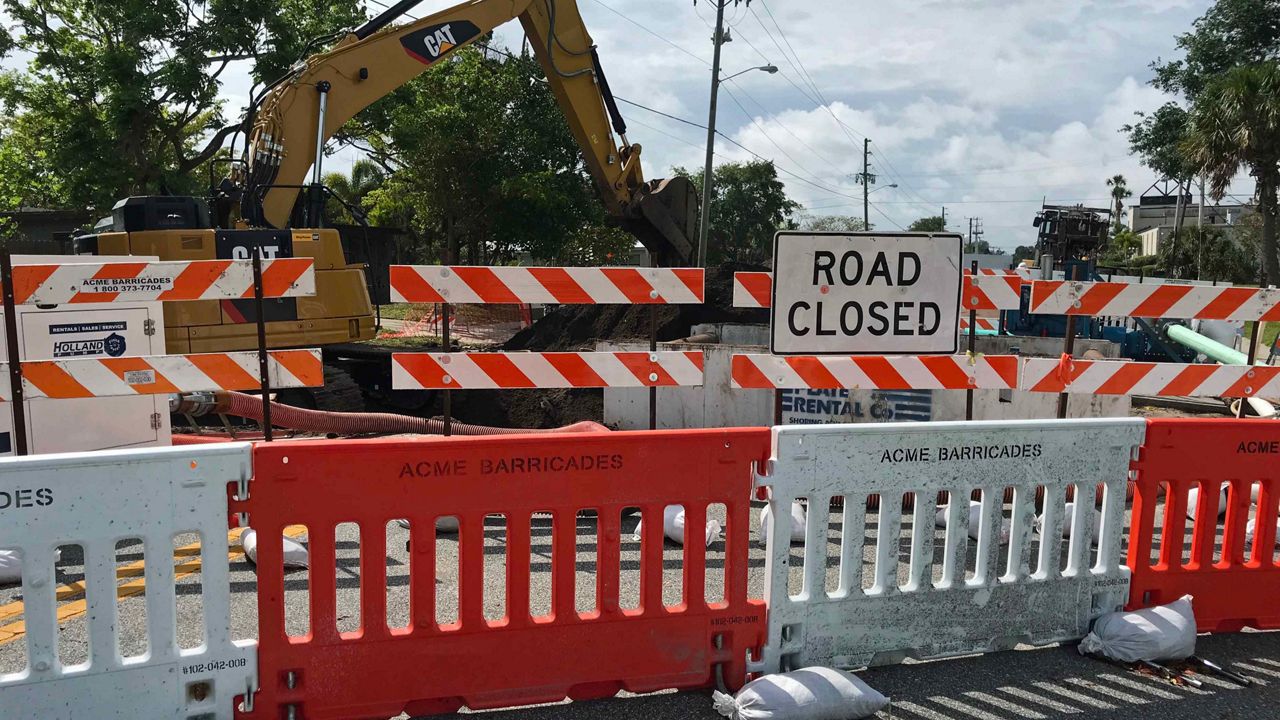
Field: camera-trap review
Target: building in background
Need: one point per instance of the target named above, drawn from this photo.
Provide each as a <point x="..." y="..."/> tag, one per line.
<point x="1155" y="216"/>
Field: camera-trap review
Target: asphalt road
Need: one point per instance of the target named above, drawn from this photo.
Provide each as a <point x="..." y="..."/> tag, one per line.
<point x="1024" y="683"/>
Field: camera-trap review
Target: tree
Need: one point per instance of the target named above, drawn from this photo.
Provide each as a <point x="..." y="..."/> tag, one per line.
<point x="830" y="223"/>
<point x="366" y="176"/>
<point x="1211" y="254"/>
<point x="1119" y="191"/>
<point x="120" y="96"/>
<point x="1024" y="252"/>
<point x="1235" y="123"/>
<point x="1122" y="247"/>
<point x="933" y="223"/>
<point x="1230" y="33"/>
<point x="748" y="205"/>
<point x="483" y="164"/>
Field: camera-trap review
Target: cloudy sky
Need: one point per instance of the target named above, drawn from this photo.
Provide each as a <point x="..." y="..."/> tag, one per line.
<point x="982" y="106"/>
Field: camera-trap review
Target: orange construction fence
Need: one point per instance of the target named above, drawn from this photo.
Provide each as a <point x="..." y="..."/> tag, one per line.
<point x="429" y="667"/>
<point x="1235" y="580"/>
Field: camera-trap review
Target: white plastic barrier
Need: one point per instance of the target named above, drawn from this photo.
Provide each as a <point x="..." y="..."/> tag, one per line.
<point x="95" y="500"/>
<point x="922" y="616"/>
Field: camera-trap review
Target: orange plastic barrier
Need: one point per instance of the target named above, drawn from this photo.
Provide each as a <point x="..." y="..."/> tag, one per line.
<point x="428" y="667"/>
<point x="1232" y="588"/>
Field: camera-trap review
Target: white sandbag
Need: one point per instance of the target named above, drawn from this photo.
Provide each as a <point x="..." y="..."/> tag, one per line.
<point x="814" y="693"/>
<point x="10" y="567"/>
<point x="295" y="553"/>
<point x="1068" y="516"/>
<point x="975" y="520"/>
<point x="797" y="523"/>
<point x="447" y="523"/>
<point x="673" y="526"/>
<point x="1251" y="526"/>
<point x="1160" y="633"/>
<point x="1193" y="501"/>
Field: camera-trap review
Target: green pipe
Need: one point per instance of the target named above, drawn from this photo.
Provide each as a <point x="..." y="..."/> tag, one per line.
<point x="1212" y="349"/>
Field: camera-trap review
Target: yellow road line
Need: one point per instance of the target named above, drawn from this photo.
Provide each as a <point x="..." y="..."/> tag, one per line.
<point x="136" y="586"/>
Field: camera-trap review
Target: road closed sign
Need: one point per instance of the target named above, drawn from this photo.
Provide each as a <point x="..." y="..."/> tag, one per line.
<point x="865" y="294"/>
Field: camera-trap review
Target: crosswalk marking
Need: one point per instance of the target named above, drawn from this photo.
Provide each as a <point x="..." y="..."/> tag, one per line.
<point x="133" y="587"/>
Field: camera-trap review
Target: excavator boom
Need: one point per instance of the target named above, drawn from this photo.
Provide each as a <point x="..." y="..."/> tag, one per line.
<point x="304" y="109"/>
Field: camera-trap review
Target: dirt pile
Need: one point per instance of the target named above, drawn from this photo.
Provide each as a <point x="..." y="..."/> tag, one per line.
<point x="576" y="327"/>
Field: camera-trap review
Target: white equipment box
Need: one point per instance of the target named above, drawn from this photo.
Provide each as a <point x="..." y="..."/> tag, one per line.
<point x="118" y="329"/>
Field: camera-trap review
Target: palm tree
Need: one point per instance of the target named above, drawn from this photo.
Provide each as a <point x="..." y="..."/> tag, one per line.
<point x="1235" y="123"/>
<point x="1119" y="191"/>
<point x="366" y="176"/>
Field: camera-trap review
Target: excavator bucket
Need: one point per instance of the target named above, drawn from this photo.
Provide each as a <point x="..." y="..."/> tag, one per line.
<point x="664" y="217"/>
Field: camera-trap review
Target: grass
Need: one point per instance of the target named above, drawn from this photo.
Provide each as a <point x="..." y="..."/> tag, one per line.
<point x="405" y="311"/>
<point x="1269" y="333"/>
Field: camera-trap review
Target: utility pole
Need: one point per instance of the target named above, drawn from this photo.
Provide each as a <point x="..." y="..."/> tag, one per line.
<point x="969" y="244"/>
<point x="717" y="41"/>
<point x="867" y="179"/>
<point x="944" y="218"/>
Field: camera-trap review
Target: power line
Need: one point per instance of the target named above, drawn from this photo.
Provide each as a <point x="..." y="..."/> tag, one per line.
<point x="642" y="27"/>
<point x="669" y="116"/>
<point x="822" y="102"/>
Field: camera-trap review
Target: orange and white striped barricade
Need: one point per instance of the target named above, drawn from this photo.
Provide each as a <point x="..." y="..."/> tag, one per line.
<point x="906" y="372"/>
<point x="982" y="323"/>
<point x="162" y="374"/>
<point x="752" y="289"/>
<point x="473" y="371"/>
<point x="75" y="283"/>
<point x="991" y="292"/>
<point x="981" y="292"/>
<point x="95" y="500"/>
<point x="1061" y="297"/>
<point x="546" y="285"/>
<point x="1119" y="377"/>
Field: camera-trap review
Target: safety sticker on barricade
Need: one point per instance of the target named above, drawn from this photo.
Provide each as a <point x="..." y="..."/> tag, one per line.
<point x="162" y="374"/>
<point x="1231" y="568"/>
<point x="471" y="371"/>
<point x="544" y="490"/>
<point x="549" y="285"/>
<point x="171" y="280"/>
<point x="1118" y="377"/>
<point x="907" y="372"/>
<point x="1059" y="297"/>
<point x="991" y="597"/>
<point x="96" y="500"/>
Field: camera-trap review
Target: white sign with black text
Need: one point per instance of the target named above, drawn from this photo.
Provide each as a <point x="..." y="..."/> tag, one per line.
<point x="865" y="294"/>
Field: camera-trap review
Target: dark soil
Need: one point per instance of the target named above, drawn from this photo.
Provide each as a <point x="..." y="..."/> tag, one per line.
<point x="525" y="408"/>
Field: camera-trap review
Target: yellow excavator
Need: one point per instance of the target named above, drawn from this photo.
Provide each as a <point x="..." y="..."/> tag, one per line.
<point x="265" y="202"/>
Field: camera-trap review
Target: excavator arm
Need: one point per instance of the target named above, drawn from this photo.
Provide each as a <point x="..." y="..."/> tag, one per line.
<point x="298" y="113"/>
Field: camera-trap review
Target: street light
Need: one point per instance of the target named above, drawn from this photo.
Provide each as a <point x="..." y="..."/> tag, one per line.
<point x="866" y="221"/>
<point x="711" y="142"/>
